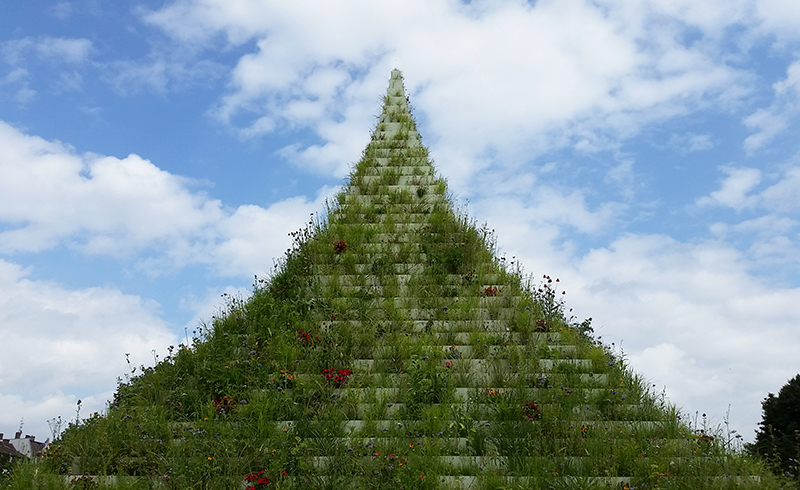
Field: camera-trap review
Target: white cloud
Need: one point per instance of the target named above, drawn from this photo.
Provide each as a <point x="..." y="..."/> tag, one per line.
<point x="773" y="120"/>
<point x="735" y="189"/>
<point x="626" y="67"/>
<point x="127" y="207"/>
<point x="63" y="49"/>
<point x="551" y="207"/>
<point x="60" y="345"/>
<point x="698" y="142"/>
<point x="250" y="232"/>
<point x="16" y="75"/>
<point x="782" y="196"/>
<point x="52" y="49"/>
<point x="765" y="225"/>
<point x="779" y="18"/>
<point x="770" y="239"/>
<point x="768" y="123"/>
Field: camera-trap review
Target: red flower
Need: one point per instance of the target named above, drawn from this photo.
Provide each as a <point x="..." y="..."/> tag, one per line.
<point x="305" y="337"/>
<point x="532" y="410"/>
<point x="339" y="246"/>
<point x="337" y="378"/>
<point x="223" y="405"/>
<point x="259" y="479"/>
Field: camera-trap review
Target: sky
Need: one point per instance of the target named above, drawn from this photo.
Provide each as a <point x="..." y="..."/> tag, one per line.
<point x="156" y="154"/>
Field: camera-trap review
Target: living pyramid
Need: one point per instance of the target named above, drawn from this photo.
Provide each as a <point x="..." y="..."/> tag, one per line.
<point x="393" y="349"/>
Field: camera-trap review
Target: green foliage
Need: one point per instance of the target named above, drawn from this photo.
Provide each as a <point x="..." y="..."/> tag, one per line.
<point x="778" y="436"/>
<point x="7" y="463"/>
<point x="428" y="383"/>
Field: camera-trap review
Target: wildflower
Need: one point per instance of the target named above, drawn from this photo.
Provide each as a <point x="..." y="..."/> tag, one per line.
<point x="305" y="337"/>
<point x="339" y="246"/>
<point x="223" y="405"/>
<point x="532" y="410"/>
<point x="337" y="378"/>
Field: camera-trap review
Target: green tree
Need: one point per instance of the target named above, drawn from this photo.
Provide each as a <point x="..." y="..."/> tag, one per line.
<point x="778" y="436"/>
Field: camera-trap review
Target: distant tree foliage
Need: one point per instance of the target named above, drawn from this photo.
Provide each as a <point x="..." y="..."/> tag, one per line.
<point x="778" y="437"/>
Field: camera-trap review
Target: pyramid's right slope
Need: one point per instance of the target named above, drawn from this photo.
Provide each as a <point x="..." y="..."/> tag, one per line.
<point x="392" y="349"/>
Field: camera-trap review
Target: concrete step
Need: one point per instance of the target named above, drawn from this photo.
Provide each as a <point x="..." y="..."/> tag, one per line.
<point x="480" y="282"/>
<point x="340" y="218"/>
<point x="400" y="179"/>
<point x="472" y="379"/>
<point x="421" y="170"/>
<point x="473" y="326"/>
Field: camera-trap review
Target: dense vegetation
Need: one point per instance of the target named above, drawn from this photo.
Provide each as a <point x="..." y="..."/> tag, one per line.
<point x="778" y="436"/>
<point x="392" y="348"/>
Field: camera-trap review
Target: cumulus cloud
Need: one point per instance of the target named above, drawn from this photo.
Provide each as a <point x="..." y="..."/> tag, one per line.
<point x="735" y="189"/>
<point x="61" y="345"/>
<point x="768" y="231"/>
<point x="122" y="207"/>
<point x="779" y="19"/>
<point x="782" y="196"/>
<point x="738" y="190"/>
<point x="771" y="121"/>
<point x="564" y="72"/>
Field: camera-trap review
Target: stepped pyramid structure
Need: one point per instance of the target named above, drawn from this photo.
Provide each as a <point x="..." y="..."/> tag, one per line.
<point x="393" y="349"/>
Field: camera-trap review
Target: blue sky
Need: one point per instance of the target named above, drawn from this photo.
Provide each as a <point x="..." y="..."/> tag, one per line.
<point x="154" y="155"/>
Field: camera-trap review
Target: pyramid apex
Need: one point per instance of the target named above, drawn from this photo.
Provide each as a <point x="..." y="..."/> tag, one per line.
<point x="396" y="86"/>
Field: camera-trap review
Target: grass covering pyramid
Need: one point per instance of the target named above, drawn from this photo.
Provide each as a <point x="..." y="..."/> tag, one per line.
<point x="392" y="349"/>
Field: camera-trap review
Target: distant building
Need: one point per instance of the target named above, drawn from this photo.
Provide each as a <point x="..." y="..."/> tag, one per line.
<point x="21" y="446"/>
